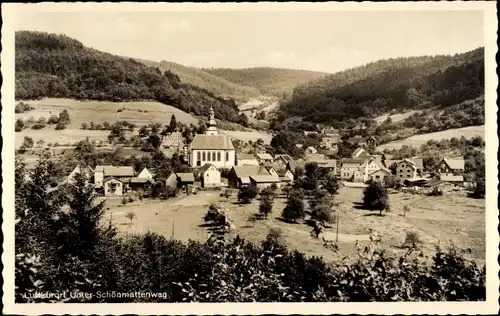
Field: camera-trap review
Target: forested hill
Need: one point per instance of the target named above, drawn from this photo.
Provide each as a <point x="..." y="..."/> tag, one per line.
<point x="269" y="81"/>
<point x="205" y="80"/>
<point x="386" y="85"/>
<point x="50" y="65"/>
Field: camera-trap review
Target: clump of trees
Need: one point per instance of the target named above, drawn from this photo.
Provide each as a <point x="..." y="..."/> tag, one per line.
<point x="247" y="194"/>
<point x="22" y="107"/>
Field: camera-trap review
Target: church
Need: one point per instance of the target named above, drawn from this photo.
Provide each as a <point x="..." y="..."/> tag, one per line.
<point x="212" y="147"/>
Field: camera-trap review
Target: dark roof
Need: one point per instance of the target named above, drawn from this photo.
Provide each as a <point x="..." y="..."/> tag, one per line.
<point x="185" y="176"/>
<point x="206" y="167"/>
<point x="111" y="178"/>
<point x="211" y="142"/>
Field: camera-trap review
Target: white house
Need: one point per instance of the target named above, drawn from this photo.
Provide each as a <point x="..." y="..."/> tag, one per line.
<point x="354" y="169"/>
<point x="86" y="170"/>
<point x="113" y="186"/>
<point x="212" y="148"/>
<point x="210" y="176"/>
<point x="381" y="175"/>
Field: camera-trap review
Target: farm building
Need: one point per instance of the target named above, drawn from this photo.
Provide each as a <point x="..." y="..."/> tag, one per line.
<point x="409" y="169"/>
<point x="265" y="181"/>
<point x="86" y="170"/>
<point x="264" y="158"/>
<point x="240" y="175"/>
<point x="359" y="153"/>
<point x="212" y="148"/>
<point x="450" y="167"/>
<point x="138" y="183"/>
<point x="210" y="176"/>
<point x="123" y="173"/>
<point x="180" y="179"/>
<point x="371" y="141"/>
<point x="246" y="160"/>
<point x="113" y="186"/>
<point x="145" y="174"/>
<point x="175" y="140"/>
<point x="381" y="175"/>
<point x="354" y="170"/>
<point x="282" y="159"/>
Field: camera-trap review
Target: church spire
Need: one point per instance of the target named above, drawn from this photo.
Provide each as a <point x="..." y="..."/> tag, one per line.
<point x="211" y="130"/>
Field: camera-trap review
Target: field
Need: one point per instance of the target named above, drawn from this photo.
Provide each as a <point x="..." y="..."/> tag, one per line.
<point x="437" y="220"/>
<point x="396" y="117"/>
<point x="99" y="112"/>
<point x="417" y="140"/>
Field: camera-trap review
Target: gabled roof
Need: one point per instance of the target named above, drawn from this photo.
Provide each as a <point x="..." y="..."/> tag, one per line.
<point x="206" y="167"/>
<point x="245" y="156"/>
<point x="455" y="163"/>
<point x="416" y="163"/>
<point x="246" y="171"/>
<point x="357" y="152"/>
<point x="285" y="158"/>
<point x="116" y="171"/>
<point x="185" y="176"/>
<point x="211" y="142"/>
<point x="265" y="178"/>
<point x="381" y="169"/>
<point x="330" y="163"/>
<point x="264" y="156"/>
<point x="353" y="161"/>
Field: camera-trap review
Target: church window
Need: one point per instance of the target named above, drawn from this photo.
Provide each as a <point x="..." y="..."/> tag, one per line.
<point x="208" y="156"/>
<point x="204" y="156"/>
<point x="227" y="156"/>
<point x="213" y="156"/>
<point x="218" y="156"/>
<point x="198" y="156"/>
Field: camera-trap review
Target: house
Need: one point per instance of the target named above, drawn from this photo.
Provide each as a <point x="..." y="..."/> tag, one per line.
<point x="307" y="133"/>
<point x="409" y="169"/>
<point x="285" y="175"/>
<point x="329" y="131"/>
<point x="330" y="165"/>
<point x="246" y="160"/>
<point x="381" y="175"/>
<point x="145" y="174"/>
<point x="355" y="170"/>
<point x="210" y="176"/>
<point x="212" y="148"/>
<point x="371" y="141"/>
<point x="113" y="186"/>
<point x="294" y="164"/>
<point x="450" y="167"/>
<point x="282" y="160"/>
<point x="86" y="170"/>
<point x="331" y="142"/>
<point x="240" y="175"/>
<point x="299" y="145"/>
<point x="123" y="173"/>
<point x="138" y="183"/>
<point x="180" y="179"/>
<point x="265" y="181"/>
<point x="174" y="139"/>
<point x="264" y="158"/>
<point x="457" y="179"/>
<point x="310" y="150"/>
<point x="373" y="165"/>
<point x="359" y="153"/>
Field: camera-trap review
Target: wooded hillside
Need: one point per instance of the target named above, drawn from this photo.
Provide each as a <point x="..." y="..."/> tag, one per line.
<point x="389" y="85"/>
<point x="205" y="80"/>
<point x="50" y="65"/>
<point x="269" y="81"/>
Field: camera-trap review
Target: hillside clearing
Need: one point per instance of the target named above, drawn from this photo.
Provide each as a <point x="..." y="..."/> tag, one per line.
<point x="249" y="136"/>
<point x="417" y="140"/>
<point x="396" y="117"/>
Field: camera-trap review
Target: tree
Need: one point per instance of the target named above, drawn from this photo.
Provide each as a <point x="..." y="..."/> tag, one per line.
<point x="265" y="207"/>
<point x="406" y="209"/>
<point x="247" y="194"/>
<point x="412" y="240"/>
<point x="144" y="131"/>
<point x="154" y="140"/>
<point x="330" y="184"/>
<point x="27" y="142"/>
<point x="322" y="213"/>
<point x="172" y="127"/>
<point x="375" y="197"/>
<point x="64" y="117"/>
<point x="131" y="216"/>
<point x="19" y="125"/>
<point x="294" y="208"/>
<point x="84" y="126"/>
<point x="60" y="125"/>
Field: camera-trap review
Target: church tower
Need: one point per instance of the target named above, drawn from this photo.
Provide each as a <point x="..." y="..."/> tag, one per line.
<point x="212" y="129"/>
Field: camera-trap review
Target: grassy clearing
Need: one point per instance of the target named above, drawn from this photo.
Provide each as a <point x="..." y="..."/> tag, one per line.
<point x="247" y="136"/>
<point x="417" y="140"/>
<point x="438" y="220"/>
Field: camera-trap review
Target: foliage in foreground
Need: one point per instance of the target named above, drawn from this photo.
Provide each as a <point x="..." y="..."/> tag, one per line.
<point x="75" y="250"/>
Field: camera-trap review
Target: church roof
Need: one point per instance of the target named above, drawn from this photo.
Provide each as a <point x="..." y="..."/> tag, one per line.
<point x="212" y="142"/>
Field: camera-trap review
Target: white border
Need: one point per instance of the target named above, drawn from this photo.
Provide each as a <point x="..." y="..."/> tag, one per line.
<point x="490" y="306"/>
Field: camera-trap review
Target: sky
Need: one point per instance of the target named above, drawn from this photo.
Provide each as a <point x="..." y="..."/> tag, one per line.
<point x="321" y="41"/>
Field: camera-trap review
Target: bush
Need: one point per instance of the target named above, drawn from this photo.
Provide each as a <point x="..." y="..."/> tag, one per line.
<point x="294" y="208"/>
<point x="412" y="240"/>
<point x="436" y="192"/>
<point x="479" y="191"/>
<point x="53" y="119"/>
<point x="265" y="207"/>
<point x="84" y="126"/>
<point x="130" y="199"/>
<point x="124" y="200"/>
<point x="60" y="125"/>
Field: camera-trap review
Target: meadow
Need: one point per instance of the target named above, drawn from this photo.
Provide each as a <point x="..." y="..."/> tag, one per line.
<point x="417" y="140"/>
<point x="442" y="220"/>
